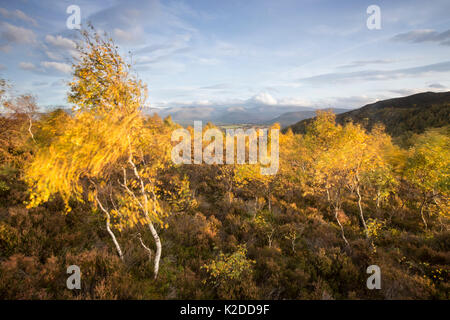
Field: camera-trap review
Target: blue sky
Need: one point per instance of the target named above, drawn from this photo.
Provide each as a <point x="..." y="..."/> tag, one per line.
<point x="275" y="53"/>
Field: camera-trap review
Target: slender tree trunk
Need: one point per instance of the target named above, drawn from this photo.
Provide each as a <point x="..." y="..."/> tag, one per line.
<point x="337" y="206"/>
<point x="361" y="214"/>
<point x="422" y="214"/>
<point x="145" y="210"/>
<point x="230" y="192"/>
<point x="29" y="128"/>
<point x="378" y="198"/>
<point x="269" y="237"/>
<point x="336" y="212"/>
<point x="443" y="227"/>
<point x="108" y="228"/>
<point x="158" y="248"/>
<point x="293" y="242"/>
<point x="149" y="251"/>
<point x="362" y="217"/>
<point x="119" y="251"/>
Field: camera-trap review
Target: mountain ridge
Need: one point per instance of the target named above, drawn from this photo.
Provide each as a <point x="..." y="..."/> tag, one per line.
<point x="226" y="114"/>
<point x="289" y="118"/>
<point x="413" y="113"/>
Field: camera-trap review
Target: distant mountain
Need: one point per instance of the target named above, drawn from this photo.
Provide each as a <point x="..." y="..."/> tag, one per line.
<point x="227" y="115"/>
<point x="288" y="118"/>
<point x="411" y="114"/>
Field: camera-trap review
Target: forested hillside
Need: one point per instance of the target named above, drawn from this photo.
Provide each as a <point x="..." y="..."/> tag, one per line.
<point x="400" y="116"/>
<point x="97" y="189"/>
<point x="289" y="118"/>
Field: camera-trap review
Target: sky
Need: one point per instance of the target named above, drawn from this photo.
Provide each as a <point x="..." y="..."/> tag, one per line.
<point x="275" y="53"/>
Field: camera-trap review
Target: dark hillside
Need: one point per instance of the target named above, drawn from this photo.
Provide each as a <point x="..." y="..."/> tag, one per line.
<point x="411" y="114"/>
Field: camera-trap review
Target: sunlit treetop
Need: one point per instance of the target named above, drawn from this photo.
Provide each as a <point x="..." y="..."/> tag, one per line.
<point x="102" y="80"/>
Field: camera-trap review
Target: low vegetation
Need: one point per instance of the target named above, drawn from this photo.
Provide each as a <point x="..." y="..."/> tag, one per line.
<point x="97" y="189"/>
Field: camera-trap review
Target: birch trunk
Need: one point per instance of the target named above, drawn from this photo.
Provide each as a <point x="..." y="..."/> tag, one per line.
<point x="158" y="248"/>
<point x="29" y="128"/>
<point x="361" y="214"/>
<point x="422" y="215"/>
<point x="336" y="211"/>
<point x="145" y="210"/>
<point x="108" y="228"/>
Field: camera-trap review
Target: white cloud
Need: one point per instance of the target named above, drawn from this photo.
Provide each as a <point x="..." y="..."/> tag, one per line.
<point x="162" y="51"/>
<point x="17" y="14"/>
<point x="13" y="34"/>
<point x="349" y="102"/>
<point x="295" y="102"/>
<point x="60" y="42"/>
<point x="21" y="15"/>
<point x="264" y="98"/>
<point x="410" y="91"/>
<point x="60" y="47"/>
<point x="132" y="35"/>
<point x="373" y="75"/>
<point x="437" y="86"/>
<point x="363" y="63"/>
<point x="27" y="66"/>
<point x="53" y="55"/>
<point x="424" y="35"/>
<point x="59" y="66"/>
